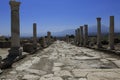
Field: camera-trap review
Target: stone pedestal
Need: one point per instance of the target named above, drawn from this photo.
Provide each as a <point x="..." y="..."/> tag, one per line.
<point x="34" y="35"/>
<point x="85" y="35"/>
<point x="81" y="35"/>
<point x="111" y="33"/>
<point x="99" y="45"/>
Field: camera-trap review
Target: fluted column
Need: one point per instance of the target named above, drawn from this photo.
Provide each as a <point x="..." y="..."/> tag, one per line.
<point x="35" y="35"/>
<point x="99" y="45"/>
<point x="111" y="33"/>
<point x="85" y="35"/>
<point x="81" y="34"/>
<point x="49" y="37"/>
<point x="15" y="29"/>
<point x="78" y="36"/>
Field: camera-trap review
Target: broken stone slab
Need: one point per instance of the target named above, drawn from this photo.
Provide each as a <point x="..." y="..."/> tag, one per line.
<point x="35" y="71"/>
<point x="51" y="78"/>
<point x="56" y="69"/>
<point x="79" y="74"/>
<point x="103" y="76"/>
<point x="104" y="60"/>
<point x="30" y="77"/>
<point x="72" y="79"/>
<point x="28" y="64"/>
<point x="85" y="57"/>
<point x="82" y="79"/>
<point x="112" y="59"/>
<point x="58" y="64"/>
<point x="13" y="72"/>
<point x="117" y="63"/>
<point x="63" y="73"/>
<point x="95" y="70"/>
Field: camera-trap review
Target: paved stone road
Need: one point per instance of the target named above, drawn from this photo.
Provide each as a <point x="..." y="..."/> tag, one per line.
<point x="62" y="61"/>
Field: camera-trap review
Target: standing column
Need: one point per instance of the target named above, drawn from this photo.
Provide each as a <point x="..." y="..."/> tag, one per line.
<point x="76" y="37"/>
<point x="99" y="45"/>
<point x="78" y="30"/>
<point x="34" y="36"/>
<point x="15" y="30"/>
<point x="85" y="35"/>
<point x="111" y="33"/>
<point x="49" y="37"/>
<point x="81" y="34"/>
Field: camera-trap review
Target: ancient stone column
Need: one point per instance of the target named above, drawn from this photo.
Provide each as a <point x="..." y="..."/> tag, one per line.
<point x="49" y="38"/>
<point x="85" y="35"/>
<point x="78" y="31"/>
<point x="111" y="33"/>
<point x="81" y="35"/>
<point x="99" y="45"/>
<point x="15" y="30"/>
<point x="76" y="36"/>
<point x="35" y="35"/>
<point x="15" y="50"/>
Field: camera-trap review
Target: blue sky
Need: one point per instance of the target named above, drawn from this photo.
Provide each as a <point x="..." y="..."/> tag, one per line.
<point x="59" y="15"/>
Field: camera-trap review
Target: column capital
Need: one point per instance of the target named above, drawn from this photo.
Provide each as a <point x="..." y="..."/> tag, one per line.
<point x="112" y="16"/>
<point x="81" y="26"/>
<point x="98" y="18"/>
<point x="85" y="25"/>
<point x="34" y="24"/>
<point x="14" y="5"/>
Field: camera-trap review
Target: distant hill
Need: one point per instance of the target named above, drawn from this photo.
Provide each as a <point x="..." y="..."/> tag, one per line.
<point x="92" y="30"/>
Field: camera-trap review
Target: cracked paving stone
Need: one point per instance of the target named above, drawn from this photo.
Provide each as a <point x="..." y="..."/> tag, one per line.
<point x="58" y="64"/>
<point x="117" y="63"/>
<point x="56" y="69"/>
<point x="35" y="71"/>
<point x="77" y="73"/>
<point x="30" y="77"/>
<point x="103" y="76"/>
<point x="82" y="79"/>
<point x="63" y="73"/>
<point x="51" y="78"/>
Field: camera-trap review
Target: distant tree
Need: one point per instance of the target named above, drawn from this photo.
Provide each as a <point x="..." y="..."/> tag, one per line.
<point x="104" y="42"/>
<point x="6" y="39"/>
<point x="116" y="40"/>
<point x="71" y="36"/>
<point x="45" y="36"/>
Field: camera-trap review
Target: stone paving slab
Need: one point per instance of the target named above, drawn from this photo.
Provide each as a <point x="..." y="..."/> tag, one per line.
<point x="117" y="62"/>
<point x="62" y="61"/>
